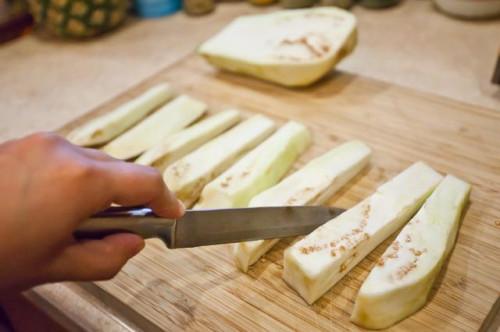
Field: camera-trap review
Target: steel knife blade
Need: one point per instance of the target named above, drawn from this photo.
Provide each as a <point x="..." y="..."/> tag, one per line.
<point x="208" y="227"/>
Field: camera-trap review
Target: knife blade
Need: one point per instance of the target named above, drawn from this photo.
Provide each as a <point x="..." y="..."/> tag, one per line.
<point x="208" y="227"/>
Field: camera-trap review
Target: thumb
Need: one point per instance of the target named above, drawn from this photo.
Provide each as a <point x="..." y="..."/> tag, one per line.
<point x="95" y="259"/>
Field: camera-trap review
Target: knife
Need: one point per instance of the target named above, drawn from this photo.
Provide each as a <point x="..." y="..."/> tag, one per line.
<point x="208" y="227"/>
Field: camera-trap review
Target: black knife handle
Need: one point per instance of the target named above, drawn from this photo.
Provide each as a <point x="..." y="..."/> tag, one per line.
<point x="137" y="220"/>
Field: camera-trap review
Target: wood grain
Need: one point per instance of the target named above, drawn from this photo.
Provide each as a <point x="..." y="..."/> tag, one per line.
<point x="200" y="289"/>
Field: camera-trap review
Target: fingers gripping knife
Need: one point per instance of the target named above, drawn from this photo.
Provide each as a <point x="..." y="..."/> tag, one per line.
<point x="207" y="227"/>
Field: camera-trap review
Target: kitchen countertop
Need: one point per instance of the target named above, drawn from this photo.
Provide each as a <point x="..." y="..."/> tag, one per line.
<point x="46" y="83"/>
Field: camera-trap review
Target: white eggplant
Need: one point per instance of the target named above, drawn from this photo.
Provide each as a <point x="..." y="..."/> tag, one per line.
<point x="168" y="120"/>
<point x="188" y="176"/>
<point x="312" y="184"/>
<point x="290" y="47"/>
<point x="318" y="261"/>
<point x="178" y="145"/>
<point x="108" y="126"/>
<point x="401" y="281"/>
<point x="258" y="170"/>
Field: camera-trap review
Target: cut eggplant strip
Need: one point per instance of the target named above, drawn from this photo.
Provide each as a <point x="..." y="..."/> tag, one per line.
<point x="318" y="261"/>
<point x="400" y="282"/>
<point x="313" y="184"/>
<point x="261" y="168"/>
<point x="178" y="145"/>
<point x="188" y="176"/>
<point x="168" y="120"/>
<point x="108" y="126"/>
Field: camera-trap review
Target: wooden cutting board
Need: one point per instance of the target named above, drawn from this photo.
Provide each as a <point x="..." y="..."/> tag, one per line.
<point x="200" y="289"/>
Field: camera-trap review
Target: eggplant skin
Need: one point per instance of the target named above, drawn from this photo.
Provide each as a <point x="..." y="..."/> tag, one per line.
<point x="313" y="184"/>
<point x="108" y="126"/>
<point x="416" y="297"/>
<point x="318" y="261"/>
<point x="400" y="282"/>
<point x="284" y="72"/>
<point x="289" y="75"/>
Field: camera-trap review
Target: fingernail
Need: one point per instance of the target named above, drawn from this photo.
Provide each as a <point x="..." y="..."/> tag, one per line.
<point x="181" y="207"/>
<point x="139" y="245"/>
<point x="132" y="242"/>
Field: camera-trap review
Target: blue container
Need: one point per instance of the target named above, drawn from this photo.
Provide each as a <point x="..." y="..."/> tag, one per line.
<point x="157" y="8"/>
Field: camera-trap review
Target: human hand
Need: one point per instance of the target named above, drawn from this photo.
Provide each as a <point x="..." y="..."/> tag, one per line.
<point x="48" y="187"/>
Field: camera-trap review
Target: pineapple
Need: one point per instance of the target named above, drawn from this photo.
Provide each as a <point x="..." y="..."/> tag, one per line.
<point x="78" y="18"/>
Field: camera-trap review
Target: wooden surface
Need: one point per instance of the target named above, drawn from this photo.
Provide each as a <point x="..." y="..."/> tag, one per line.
<point x="46" y="83"/>
<point x="200" y="289"/>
